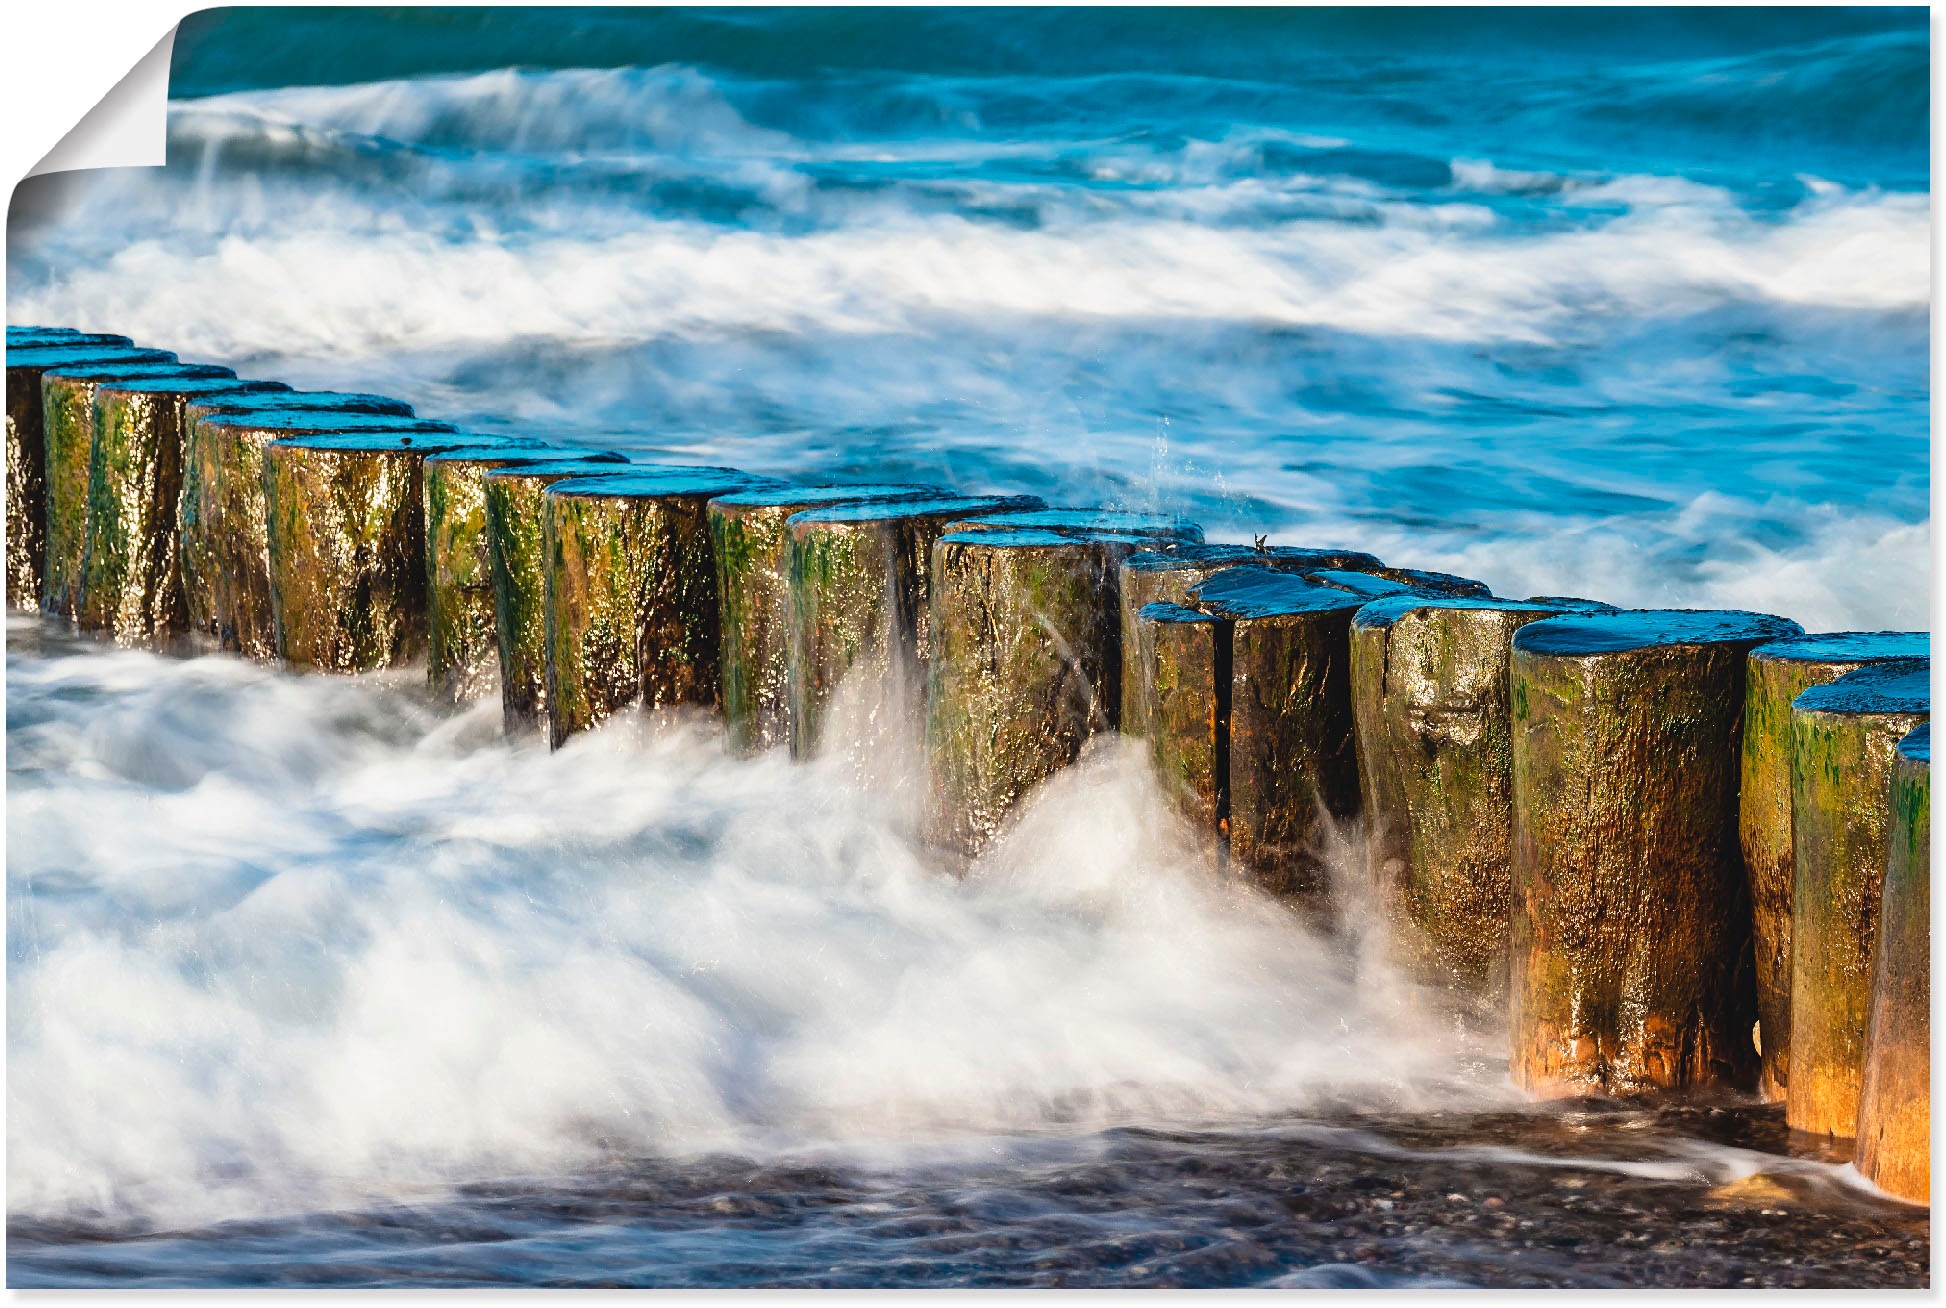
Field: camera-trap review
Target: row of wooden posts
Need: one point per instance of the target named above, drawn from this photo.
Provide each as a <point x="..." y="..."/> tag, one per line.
<point x="1669" y="848"/>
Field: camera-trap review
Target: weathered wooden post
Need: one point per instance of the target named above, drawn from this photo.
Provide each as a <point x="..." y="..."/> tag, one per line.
<point x="221" y="519"/>
<point x="1631" y="920"/>
<point x="1164" y="576"/>
<point x="1778" y="673"/>
<point x="516" y="513"/>
<point x="751" y="543"/>
<point x="346" y="521"/>
<point x="462" y="656"/>
<point x="131" y="570"/>
<point x="1435" y="747"/>
<point x="860" y="576"/>
<point x="1293" y="762"/>
<point x="26" y="450"/>
<point x="1895" y="1102"/>
<point x="68" y="436"/>
<point x="1180" y="683"/>
<point x="1025" y="666"/>
<point x="1844" y="743"/>
<point x="632" y="609"/>
<point x="1436" y="583"/>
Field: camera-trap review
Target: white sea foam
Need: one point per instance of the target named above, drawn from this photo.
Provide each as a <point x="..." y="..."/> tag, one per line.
<point x="277" y="942"/>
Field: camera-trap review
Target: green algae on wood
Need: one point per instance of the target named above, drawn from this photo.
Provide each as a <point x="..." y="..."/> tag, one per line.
<point x="1844" y="745"/>
<point x="632" y="609"/>
<point x="1293" y="764"/>
<point x="516" y="555"/>
<point x="346" y="522"/>
<point x="860" y="578"/>
<point x="1025" y="660"/>
<point x="751" y="542"/>
<point x="68" y="432"/>
<point x="221" y="518"/>
<point x="1630" y="940"/>
<point x="131" y="574"/>
<point x="1181" y="684"/>
<point x="462" y="645"/>
<point x="1895" y="1098"/>
<point x="1435" y="746"/>
<point x="1164" y="576"/>
<point x="1777" y="674"/>
<point x="26" y="450"/>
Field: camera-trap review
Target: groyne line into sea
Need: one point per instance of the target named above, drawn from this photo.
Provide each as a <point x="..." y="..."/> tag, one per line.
<point x="1667" y="849"/>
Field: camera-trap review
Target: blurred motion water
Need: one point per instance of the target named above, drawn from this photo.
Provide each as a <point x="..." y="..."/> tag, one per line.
<point x="312" y="983"/>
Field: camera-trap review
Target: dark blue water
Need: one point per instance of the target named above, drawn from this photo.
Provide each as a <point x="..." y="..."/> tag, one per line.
<point x="310" y="983"/>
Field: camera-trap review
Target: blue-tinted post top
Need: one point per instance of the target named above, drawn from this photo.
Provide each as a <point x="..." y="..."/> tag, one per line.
<point x="231" y="385"/>
<point x="1445" y="581"/>
<point x="108" y="372"/>
<point x="945" y="506"/>
<point x="348" y="401"/>
<point x="777" y="497"/>
<point x="1847" y="647"/>
<point x="548" y="465"/>
<point x="393" y="441"/>
<point x="27" y="335"/>
<point x="1917" y="744"/>
<point x="301" y="421"/>
<point x="1241" y="594"/>
<point x="1366" y="584"/>
<point x="1904" y="686"/>
<point x="480" y="449"/>
<point x="45" y="357"/>
<point x="1612" y="632"/>
<point x="655" y="482"/>
<point x="1031" y="538"/>
<point x="1387" y="611"/>
<point x="1163" y="611"/>
<point x="1172" y="556"/>
<point x="1093" y="520"/>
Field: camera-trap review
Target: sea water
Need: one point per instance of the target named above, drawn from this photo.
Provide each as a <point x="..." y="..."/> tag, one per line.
<point x="313" y="982"/>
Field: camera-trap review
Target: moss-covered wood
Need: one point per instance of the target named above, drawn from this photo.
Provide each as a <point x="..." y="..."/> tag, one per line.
<point x="1025" y="666"/>
<point x="860" y="577"/>
<point x="131" y="573"/>
<point x="26" y="450"/>
<point x="632" y="609"/>
<point x="1895" y="1100"/>
<point x="221" y="519"/>
<point x="462" y="644"/>
<point x="516" y="514"/>
<point x="1164" y="576"/>
<point x="68" y="434"/>
<point x="1293" y="763"/>
<point x="1630" y="948"/>
<point x="1778" y="673"/>
<point x="1844" y="742"/>
<point x="751" y="542"/>
<point x="1429" y="696"/>
<point x="345" y="512"/>
<point x="1182" y="685"/>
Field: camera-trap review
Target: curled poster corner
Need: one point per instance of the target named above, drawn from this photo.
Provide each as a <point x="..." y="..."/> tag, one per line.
<point x="127" y="128"/>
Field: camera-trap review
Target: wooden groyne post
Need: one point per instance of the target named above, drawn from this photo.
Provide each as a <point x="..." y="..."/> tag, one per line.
<point x="750" y="537"/>
<point x="1844" y="749"/>
<point x="1895" y="1099"/>
<point x="632" y="609"/>
<point x="462" y="649"/>
<point x="1630" y="963"/>
<point x="860" y="578"/>
<point x="29" y="357"/>
<point x="1429" y="688"/>
<point x="1778" y="673"/>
